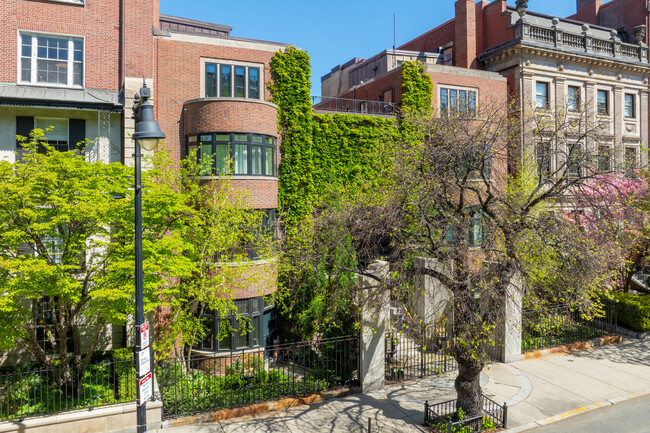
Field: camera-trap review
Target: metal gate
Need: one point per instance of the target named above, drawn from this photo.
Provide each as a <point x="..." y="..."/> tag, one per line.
<point x="418" y="352"/>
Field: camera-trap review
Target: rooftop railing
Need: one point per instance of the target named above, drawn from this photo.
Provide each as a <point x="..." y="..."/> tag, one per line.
<point x="354" y="106"/>
<point x="584" y="42"/>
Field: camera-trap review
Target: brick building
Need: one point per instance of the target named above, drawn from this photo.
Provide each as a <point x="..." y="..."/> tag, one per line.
<point x="77" y="64"/>
<point x="212" y="98"/>
<point x="594" y="62"/>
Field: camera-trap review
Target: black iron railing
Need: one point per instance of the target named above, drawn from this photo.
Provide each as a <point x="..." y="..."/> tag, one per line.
<point x="36" y="391"/>
<point x="446" y="418"/>
<point x="562" y="324"/>
<point x="418" y="352"/>
<point x="353" y="106"/>
<point x="208" y="383"/>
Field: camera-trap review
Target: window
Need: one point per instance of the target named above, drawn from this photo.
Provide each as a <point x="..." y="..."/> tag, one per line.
<point x="457" y="101"/>
<point x="64" y="134"/>
<point x="51" y="60"/>
<point x="574" y="163"/>
<point x="246" y="333"/>
<point x="604" y="158"/>
<point x="232" y="80"/>
<point x="541" y="95"/>
<point x="573" y="98"/>
<point x="476" y="230"/>
<point x="247" y="154"/>
<point x="603" y="102"/>
<point x="44" y="322"/>
<point x="629" y="106"/>
<point x="630" y="161"/>
<point x="258" y="245"/>
<point x="543" y="156"/>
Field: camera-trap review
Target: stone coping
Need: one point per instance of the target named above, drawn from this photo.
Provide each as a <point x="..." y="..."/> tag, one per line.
<point x="579" y="345"/>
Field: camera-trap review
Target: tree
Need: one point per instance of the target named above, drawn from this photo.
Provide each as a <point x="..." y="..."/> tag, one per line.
<point x="66" y="253"/>
<point x="219" y="228"/>
<point x="489" y="196"/>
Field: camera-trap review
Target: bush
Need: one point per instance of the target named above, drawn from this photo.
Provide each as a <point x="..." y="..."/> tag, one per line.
<point x="633" y="311"/>
<point x="276" y="376"/>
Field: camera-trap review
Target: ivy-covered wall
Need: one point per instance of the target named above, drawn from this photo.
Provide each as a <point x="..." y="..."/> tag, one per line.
<point x="325" y="156"/>
<point x="324" y="151"/>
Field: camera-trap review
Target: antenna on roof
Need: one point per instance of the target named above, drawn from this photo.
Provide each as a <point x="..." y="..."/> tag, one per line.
<point x="394" y="59"/>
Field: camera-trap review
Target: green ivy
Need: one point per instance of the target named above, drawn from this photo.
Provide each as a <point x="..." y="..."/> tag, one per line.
<point x="326" y="157"/>
<point x="290" y="89"/>
<point x="417" y="89"/>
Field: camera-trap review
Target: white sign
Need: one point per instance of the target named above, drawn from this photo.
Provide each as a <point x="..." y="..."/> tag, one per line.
<point x="145" y="389"/>
<point x="144" y="335"/>
<point x="144" y="362"/>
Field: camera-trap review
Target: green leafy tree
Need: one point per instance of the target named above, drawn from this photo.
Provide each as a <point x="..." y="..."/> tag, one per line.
<point x="67" y="253"/>
<point x="450" y="198"/>
<point x="221" y="234"/>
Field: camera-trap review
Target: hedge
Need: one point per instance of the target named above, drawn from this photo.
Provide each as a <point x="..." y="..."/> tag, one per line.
<point x="633" y="311"/>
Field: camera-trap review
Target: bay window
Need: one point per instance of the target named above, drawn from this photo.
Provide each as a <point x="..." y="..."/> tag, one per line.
<point x="239" y="154"/>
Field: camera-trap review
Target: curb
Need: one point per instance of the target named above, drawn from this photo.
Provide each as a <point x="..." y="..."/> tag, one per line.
<point x="580" y="345"/>
<point x="569" y="414"/>
<point x="284" y="403"/>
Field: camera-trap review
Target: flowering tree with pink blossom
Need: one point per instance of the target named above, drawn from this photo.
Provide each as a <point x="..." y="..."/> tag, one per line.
<point x="612" y="208"/>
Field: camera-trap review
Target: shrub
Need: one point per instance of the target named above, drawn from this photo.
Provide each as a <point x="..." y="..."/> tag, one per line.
<point x="633" y="311"/>
<point x="276" y="376"/>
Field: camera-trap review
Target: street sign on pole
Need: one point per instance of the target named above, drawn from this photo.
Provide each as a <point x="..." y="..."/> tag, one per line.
<point x="145" y="388"/>
<point x="144" y="335"/>
<point x="144" y="361"/>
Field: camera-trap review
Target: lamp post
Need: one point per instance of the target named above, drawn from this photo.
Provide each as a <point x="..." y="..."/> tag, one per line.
<point x="147" y="135"/>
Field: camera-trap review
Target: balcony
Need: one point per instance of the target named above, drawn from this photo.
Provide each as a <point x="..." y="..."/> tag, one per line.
<point x="353" y="106"/>
<point x="572" y="36"/>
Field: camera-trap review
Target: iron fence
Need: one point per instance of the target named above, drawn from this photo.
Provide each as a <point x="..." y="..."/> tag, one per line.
<point x="419" y="352"/>
<point x="29" y="392"/>
<point x="445" y="418"/>
<point x="563" y="324"/>
<point x="223" y="380"/>
<point x="355" y="106"/>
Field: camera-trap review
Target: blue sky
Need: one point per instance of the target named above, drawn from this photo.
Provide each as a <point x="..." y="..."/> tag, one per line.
<point x="334" y="31"/>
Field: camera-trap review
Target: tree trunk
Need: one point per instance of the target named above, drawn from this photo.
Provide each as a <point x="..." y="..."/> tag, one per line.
<point x="468" y="387"/>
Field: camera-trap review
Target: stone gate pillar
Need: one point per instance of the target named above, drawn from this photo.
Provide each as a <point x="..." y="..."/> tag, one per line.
<point x="373" y="304"/>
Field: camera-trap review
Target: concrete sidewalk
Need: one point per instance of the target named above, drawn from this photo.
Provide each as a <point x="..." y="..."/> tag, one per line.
<point x="538" y="391"/>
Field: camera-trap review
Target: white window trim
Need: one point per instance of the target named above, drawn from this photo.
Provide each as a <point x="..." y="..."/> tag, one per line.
<point x="33" y="81"/>
<point x="226" y="62"/>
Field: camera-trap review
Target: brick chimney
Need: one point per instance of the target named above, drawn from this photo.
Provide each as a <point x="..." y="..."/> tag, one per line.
<point x="587" y="10"/>
<point x="465" y="34"/>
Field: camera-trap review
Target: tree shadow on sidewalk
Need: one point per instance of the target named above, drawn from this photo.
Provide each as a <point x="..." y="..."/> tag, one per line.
<point x="633" y="352"/>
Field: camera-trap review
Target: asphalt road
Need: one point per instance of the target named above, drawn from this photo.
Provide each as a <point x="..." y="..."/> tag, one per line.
<point x="631" y="416"/>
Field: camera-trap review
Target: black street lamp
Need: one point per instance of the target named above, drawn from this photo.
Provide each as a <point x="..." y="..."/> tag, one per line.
<point x="147" y="135"/>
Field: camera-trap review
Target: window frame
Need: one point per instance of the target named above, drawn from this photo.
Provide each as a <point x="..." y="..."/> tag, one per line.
<point x="574" y="169"/>
<point x="217" y="345"/>
<point x="216" y="81"/>
<point x="543" y="159"/>
<point x="599" y="110"/>
<point x="547" y="95"/>
<point x="447" y="108"/>
<point x="632" y="106"/>
<point x="577" y="100"/>
<point x="629" y="171"/>
<point x="70" y="62"/>
<point x="232" y="142"/>
<point x="604" y="158"/>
